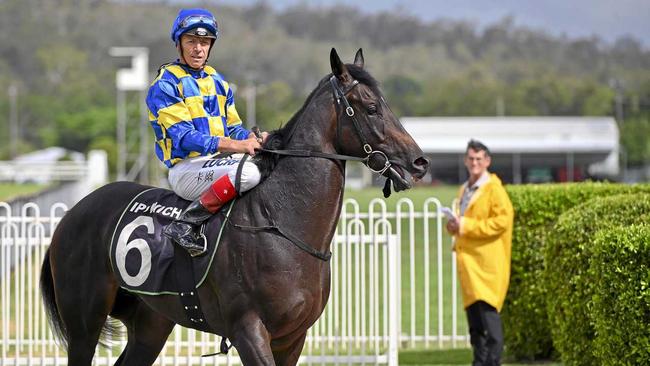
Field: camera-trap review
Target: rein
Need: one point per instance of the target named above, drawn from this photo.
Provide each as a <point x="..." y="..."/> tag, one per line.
<point x="339" y="96"/>
<point x="275" y="229"/>
<point x="314" y="154"/>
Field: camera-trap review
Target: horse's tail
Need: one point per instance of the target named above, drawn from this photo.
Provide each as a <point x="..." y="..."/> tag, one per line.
<point x="111" y="330"/>
<point x="49" y="300"/>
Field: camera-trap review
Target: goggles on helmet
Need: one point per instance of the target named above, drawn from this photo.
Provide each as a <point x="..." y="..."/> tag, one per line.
<point x="193" y="21"/>
<point x="190" y="20"/>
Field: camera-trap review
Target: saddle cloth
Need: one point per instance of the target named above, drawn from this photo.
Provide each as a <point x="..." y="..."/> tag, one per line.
<point x="143" y="259"/>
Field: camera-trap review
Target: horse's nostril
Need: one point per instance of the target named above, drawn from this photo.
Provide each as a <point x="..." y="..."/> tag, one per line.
<point x="421" y="162"/>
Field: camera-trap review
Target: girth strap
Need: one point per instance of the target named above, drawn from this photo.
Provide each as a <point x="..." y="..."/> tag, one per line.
<point x="188" y="293"/>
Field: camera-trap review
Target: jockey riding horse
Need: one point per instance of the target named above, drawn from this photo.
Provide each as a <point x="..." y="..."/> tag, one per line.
<point x="193" y="115"/>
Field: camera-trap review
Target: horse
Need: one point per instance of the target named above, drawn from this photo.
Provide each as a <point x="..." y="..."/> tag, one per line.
<point x="262" y="292"/>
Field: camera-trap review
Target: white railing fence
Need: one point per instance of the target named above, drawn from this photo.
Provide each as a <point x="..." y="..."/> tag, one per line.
<point x="393" y="287"/>
<point x="41" y="172"/>
<point x="66" y="181"/>
<point x="94" y="168"/>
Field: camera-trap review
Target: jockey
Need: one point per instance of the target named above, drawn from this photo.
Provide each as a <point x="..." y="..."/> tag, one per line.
<point x="192" y="112"/>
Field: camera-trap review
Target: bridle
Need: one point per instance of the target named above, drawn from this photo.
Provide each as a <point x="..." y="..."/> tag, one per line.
<point x="339" y="97"/>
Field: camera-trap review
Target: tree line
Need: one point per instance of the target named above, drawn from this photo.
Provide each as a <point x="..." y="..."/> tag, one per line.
<point x="55" y="54"/>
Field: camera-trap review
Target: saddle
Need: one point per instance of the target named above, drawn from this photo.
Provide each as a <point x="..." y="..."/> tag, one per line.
<point x="147" y="262"/>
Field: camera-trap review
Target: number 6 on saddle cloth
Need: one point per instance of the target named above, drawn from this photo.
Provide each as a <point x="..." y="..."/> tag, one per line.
<point x="147" y="262"/>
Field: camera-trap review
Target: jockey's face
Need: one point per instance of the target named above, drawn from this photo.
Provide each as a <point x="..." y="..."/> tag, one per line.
<point x="194" y="50"/>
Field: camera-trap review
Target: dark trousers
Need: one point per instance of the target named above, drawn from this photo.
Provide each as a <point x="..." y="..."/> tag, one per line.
<point x="486" y="334"/>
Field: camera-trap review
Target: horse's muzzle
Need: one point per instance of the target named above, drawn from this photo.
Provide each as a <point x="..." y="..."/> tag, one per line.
<point x="417" y="170"/>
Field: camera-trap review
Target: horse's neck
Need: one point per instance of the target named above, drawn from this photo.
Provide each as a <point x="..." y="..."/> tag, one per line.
<point x="315" y="128"/>
<point x="307" y="198"/>
<point x="310" y="188"/>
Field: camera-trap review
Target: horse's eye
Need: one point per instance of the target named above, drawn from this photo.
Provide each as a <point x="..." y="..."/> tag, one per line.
<point x="372" y="109"/>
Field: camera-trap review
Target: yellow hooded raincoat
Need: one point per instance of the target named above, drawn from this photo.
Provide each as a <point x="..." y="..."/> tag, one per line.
<point x="483" y="245"/>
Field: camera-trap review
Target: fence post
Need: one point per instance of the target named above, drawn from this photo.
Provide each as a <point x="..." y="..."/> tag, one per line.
<point x="393" y="299"/>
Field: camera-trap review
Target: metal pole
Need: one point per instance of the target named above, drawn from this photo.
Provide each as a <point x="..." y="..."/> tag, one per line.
<point x="501" y="106"/>
<point x="516" y="168"/>
<point x="13" y="120"/>
<point x="144" y="140"/>
<point x="251" y="95"/>
<point x="619" y="106"/>
<point x="121" y="135"/>
<point x="136" y="79"/>
<point x="618" y="99"/>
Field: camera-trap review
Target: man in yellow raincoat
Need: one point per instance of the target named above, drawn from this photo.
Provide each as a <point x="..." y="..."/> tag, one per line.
<point x="483" y="237"/>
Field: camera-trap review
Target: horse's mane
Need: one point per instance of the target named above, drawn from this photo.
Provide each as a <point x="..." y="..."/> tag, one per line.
<point x="278" y="139"/>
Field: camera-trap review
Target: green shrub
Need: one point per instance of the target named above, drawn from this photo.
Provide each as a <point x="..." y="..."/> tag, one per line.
<point x="620" y="269"/>
<point x="569" y="285"/>
<point x="537" y="207"/>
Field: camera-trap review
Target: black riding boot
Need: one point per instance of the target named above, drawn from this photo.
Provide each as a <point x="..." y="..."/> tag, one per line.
<point x="184" y="230"/>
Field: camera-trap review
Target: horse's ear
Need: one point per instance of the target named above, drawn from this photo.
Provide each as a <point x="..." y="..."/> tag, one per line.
<point x="358" y="58"/>
<point x="338" y="68"/>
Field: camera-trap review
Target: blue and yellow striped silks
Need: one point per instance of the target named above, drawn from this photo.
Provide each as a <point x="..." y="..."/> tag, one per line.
<point x="190" y="111"/>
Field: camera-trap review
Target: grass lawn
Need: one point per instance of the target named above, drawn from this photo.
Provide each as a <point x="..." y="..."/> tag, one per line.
<point x="460" y="356"/>
<point x="9" y="191"/>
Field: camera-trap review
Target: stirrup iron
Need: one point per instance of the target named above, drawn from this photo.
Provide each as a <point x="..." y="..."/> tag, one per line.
<point x="201" y="237"/>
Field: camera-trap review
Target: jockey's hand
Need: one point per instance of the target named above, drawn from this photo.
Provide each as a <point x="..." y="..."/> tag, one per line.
<point x="261" y="138"/>
<point x="265" y="135"/>
<point x="247" y="146"/>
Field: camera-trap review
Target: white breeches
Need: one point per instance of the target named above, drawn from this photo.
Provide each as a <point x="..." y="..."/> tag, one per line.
<point x="191" y="177"/>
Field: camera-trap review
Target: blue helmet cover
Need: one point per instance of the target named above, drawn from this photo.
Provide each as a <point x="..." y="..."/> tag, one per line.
<point x="207" y="21"/>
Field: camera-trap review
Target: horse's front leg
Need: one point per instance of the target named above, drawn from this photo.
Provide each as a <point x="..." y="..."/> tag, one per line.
<point x="289" y="356"/>
<point x="252" y="340"/>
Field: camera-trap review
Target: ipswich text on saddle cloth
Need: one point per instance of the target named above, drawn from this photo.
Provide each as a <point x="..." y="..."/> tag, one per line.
<point x="156" y="208"/>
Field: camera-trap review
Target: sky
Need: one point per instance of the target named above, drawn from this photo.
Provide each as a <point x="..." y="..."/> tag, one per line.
<point x="608" y="19"/>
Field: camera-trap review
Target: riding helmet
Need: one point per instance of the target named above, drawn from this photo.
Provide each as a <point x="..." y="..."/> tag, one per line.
<point x="197" y="22"/>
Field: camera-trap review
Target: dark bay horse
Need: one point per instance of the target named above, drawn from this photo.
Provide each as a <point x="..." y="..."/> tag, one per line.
<point x="262" y="291"/>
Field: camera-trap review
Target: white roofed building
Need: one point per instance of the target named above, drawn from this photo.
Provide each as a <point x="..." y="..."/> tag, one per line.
<point x="524" y="149"/>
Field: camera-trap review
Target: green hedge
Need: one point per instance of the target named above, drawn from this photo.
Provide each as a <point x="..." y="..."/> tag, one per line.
<point x="620" y="269"/>
<point x="537" y="208"/>
<point x="567" y="258"/>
